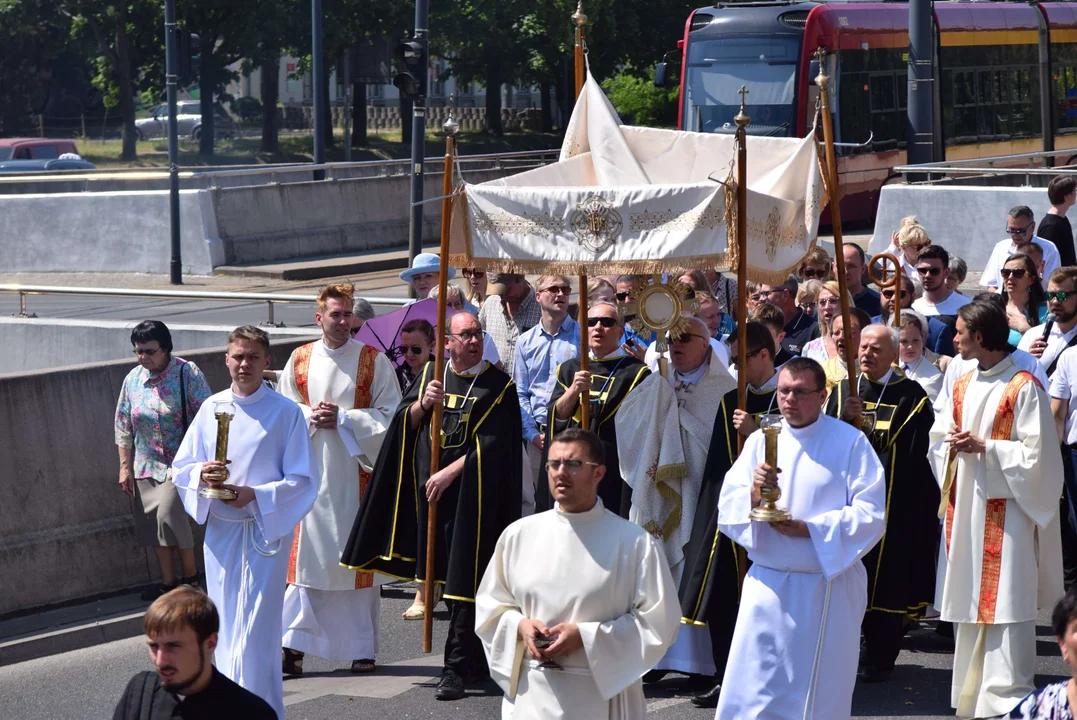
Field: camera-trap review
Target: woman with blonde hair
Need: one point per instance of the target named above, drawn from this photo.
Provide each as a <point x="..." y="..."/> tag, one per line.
<point x="600" y="289"/>
<point x="808" y="295"/>
<point x="906" y="243"/>
<point x="828" y="306"/>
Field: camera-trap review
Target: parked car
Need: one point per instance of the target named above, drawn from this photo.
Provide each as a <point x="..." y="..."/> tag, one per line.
<point x="45" y="165"/>
<point x="34" y="148"/>
<point x="188" y="122"/>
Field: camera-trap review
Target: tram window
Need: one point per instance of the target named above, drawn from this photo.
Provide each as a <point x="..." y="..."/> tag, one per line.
<point x="902" y="87"/>
<point x="882" y="92"/>
<point x="1066" y="98"/>
<point x="964" y="88"/>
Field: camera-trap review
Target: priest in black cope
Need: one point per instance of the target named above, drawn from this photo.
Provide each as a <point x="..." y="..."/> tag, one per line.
<point x="896" y="415"/>
<point x="478" y="490"/>
<point x="613" y="375"/>
<point x="710" y="586"/>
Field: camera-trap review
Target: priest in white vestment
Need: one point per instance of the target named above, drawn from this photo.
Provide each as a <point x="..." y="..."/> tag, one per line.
<point x="580" y="587"/>
<point x="1000" y="469"/>
<point x="348" y="393"/>
<point x="271" y="467"/>
<point x="795" y="648"/>
<point x="664" y="432"/>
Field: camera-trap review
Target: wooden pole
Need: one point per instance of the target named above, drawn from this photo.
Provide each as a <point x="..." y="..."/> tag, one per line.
<point x="742" y="120"/>
<point x="579" y="20"/>
<point x="831" y="181"/>
<point x="450" y="127"/>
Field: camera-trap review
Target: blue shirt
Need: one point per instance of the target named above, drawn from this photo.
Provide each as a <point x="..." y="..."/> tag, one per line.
<point x="538" y="353"/>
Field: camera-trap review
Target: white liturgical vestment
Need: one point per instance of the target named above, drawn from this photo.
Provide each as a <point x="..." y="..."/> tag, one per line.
<point x="331" y="611"/>
<point x="795" y="648"/>
<point x="595" y="570"/>
<point x="246" y="549"/>
<point x="1001" y="552"/>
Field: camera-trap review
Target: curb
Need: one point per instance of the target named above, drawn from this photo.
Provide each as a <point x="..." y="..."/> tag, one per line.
<point x="75" y="637"/>
<point x="311" y="270"/>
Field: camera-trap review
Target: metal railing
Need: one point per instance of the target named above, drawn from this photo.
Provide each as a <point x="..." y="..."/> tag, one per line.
<point x="520" y="160"/>
<point x="986" y="166"/>
<point x="270" y="299"/>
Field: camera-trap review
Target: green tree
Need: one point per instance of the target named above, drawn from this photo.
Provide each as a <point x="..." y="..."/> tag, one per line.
<point x="31" y="35"/>
<point x="638" y="101"/>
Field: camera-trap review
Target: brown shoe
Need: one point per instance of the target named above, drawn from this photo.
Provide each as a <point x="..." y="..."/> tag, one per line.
<point x="366" y="665"/>
<point x="291" y="662"/>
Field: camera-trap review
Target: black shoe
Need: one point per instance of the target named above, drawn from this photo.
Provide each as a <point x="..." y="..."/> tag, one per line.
<point x="450" y="686"/>
<point x="653" y="676"/>
<point x="192" y="581"/>
<point x="874" y="675"/>
<point x="708" y="698"/>
<point x="151" y="594"/>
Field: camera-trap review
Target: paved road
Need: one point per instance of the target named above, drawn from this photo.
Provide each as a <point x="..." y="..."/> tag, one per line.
<point x="86" y="683"/>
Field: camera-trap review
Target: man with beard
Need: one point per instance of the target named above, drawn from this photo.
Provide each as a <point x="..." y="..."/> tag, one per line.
<point x="1062" y="302"/>
<point x="896" y="416"/>
<point x="181" y="632"/>
<point x="710" y="586"/>
<point x="477" y="490"/>
<point x="612" y="376"/>
<point x="664" y="430"/>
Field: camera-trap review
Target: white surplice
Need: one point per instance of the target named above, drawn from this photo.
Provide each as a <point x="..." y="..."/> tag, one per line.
<point x="664" y="434"/>
<point x="324" y="613"/>
<point x="795" y="648"/>
<point x="923" y="372"/>
<point x="994" y="662"/>
<point x="246" y="549"/>
<point x="595" y="570"/>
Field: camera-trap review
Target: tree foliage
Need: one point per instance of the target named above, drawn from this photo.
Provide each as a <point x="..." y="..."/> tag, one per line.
<point x="638" y="101"/>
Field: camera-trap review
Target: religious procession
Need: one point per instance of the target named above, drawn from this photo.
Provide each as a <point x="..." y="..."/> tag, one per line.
<point x="730" y="458"/>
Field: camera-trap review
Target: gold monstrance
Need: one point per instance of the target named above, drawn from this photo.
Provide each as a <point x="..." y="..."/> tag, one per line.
<point x="224" y="412"/>
<point x="767" y="511"/>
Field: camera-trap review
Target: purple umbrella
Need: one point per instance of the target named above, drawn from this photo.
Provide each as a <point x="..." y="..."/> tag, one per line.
<point x="383" y="331"/>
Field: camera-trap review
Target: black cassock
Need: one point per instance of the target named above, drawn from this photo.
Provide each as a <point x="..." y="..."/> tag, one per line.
<point x="611" y="381"/>
<point x="481" y="420"/>
<point x="897" y="420"/>
<point x="710" y="585"/>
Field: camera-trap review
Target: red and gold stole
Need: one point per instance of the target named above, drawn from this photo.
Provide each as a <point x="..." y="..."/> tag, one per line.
<point x="995" y="514"/>
<point x="364" y="378"/>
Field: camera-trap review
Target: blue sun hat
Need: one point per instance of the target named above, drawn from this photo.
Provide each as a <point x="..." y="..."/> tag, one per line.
<point x="423" y="263"/>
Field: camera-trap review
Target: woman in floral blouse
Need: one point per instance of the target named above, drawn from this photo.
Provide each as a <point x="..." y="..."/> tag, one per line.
<point x="1057" y="701"/>
<point x="158" y="400"/>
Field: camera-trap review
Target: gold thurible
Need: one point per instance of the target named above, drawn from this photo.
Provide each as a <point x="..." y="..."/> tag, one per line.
<point x="223" y="412"/>
<point x="767" y="511"/>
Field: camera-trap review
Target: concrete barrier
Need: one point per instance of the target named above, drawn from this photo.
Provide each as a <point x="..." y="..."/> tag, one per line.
<point x="967" y="221"/>
<point x="65" y="527"/>
<point x="29" y="344"/>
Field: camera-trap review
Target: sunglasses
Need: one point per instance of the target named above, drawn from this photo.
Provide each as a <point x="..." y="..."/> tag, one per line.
<point x="606" y="322"/>
<point x="753" y="353"/>
<point x="571" y="466"/>
<point x="622" y="296"/>
<point x="813" y="273"/>
<point x="1016" y="273"/>
<point x="148" y="352"/>
<point x="889" y="293"/>
<point x="932" y="271"/>
<point x="558" y="289"/>
<point x="683" y="338"/>
<point x="471" y="273"/>
<point x="1019" y="231"/>
<point x="411" y="349"/>
<point x="1060" y="296"/>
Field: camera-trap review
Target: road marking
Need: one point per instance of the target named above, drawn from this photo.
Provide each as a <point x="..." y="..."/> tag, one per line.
<point x="389" y="681"/>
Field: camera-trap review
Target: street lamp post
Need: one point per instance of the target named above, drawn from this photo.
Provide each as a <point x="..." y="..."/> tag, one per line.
<point x="319" y="84"/>
<point x="175" y="266"/>
<point x="418" y="136"/>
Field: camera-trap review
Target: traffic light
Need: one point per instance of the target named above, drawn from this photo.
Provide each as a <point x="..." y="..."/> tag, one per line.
<point x="411" y="80"/>
<point x="188" y="46"/>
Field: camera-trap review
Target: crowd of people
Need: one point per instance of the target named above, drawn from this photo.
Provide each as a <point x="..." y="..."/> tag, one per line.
<point x="926" y="471"/>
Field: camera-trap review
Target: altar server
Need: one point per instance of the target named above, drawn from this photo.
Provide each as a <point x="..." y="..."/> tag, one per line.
<point x="271" y="467"/>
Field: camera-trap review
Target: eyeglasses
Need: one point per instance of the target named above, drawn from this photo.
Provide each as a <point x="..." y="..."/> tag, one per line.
<point x="1019" y="231"/>
<point x="813" y="273"/>
<point x="827" y="302"/>
<point x="150" y="352"/>
<point x="557" y="289"/>
<point x="889" y="293"/>
<point x="571" y="466"/>
<point x="473" y="273"/>
<point x="622" y="296"/>
<point x="756" y="296"/>
<point x="807" y="306"/>
<point x="1060" y="295"/>
<point x="411" y="349"/>
<point x="606" y="322"/>
<point x="772" y="291"/>
<point x="798" y="393"/>
<point x="1015" y="273"/>
<point x="468" y="336"/>
<point x="932" y="271"/>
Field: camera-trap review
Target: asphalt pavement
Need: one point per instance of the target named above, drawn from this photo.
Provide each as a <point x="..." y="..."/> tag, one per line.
<point x="85" y="684"/>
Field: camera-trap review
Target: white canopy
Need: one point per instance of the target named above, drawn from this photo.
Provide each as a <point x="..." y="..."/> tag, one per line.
<point x="640" y="200"/>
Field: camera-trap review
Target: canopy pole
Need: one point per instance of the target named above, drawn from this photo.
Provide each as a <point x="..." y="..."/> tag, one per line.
<point x="450" y="127"/>
<point x="742" y="120"/>
<point x="831" y="176"/>
<point x="579" y="20"/>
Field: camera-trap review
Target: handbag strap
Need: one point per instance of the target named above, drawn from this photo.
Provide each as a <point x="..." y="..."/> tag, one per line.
<point x="1054" y="363"/>
<point x="183" y="395"/>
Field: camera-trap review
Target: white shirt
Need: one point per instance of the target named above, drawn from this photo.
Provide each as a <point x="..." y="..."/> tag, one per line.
<point x="908" y="267"/>
<point x="949" y="306"/>
<point x="1062" y="387"/>
<point x="992" y="277"/>
<point x="1056" y="343"/>
<point x="923" y="372"/>
<point x="959" y="366"/>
